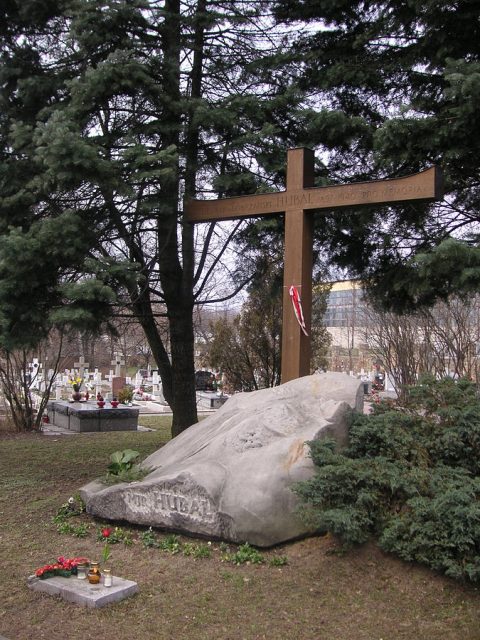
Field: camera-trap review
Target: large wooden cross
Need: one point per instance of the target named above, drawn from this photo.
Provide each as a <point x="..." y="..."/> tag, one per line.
<point x="296" y="202"/>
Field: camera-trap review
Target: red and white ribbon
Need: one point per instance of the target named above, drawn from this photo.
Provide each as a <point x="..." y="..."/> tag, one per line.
<point x="297" y="307"/>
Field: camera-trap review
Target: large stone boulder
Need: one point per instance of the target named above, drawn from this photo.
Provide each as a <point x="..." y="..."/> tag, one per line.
<point x="230" y="476"/>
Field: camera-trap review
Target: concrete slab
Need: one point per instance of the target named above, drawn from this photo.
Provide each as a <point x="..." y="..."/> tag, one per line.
<point x="83" y="593"/>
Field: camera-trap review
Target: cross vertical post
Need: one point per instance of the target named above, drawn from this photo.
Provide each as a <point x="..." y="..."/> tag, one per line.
<point x="296" y="349"/>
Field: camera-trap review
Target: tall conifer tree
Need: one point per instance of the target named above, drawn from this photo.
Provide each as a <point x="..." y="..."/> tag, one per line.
<point x="112" y="113"/>
<point x="397" y="85"/>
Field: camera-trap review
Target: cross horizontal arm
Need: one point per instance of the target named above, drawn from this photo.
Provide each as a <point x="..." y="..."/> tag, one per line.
<point x="231" y="208"/>
<point x="423" y="186"/>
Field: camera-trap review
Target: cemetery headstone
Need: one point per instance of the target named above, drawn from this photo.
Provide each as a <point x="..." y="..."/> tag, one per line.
<point x="138" y="379"/>
<point x="118" y="362"/>
<point x="97" y="382"/>
<point x="81" y="365"/>
<point x="118" y="381"/>
<point x="157" y="389"/>
<point x="34" y="373"/>
<point x="81" y="592"/>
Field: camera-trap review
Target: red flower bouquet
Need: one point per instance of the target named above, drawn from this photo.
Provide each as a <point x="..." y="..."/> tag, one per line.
<point x="64" y="567"/>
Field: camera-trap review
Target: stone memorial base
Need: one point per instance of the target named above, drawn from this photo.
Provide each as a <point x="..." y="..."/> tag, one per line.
<point x="118" y="383"/>
<point x="86" y="417"/>
<point x="83" y="593"/>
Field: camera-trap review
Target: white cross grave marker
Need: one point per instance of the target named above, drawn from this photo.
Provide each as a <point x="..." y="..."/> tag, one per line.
<point x="118" y="361"/>
<point x="155" y="383"/>
<point x="34" y="371"/>
<point x="82" y="365"/>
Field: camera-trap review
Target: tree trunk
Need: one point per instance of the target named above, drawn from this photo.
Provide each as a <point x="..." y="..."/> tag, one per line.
<point x="176" y="278"/>
<point x="159" y="353"/>
<point x="183" y="370"/>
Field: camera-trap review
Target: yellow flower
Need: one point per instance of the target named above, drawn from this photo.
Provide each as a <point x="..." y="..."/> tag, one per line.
<point x="75" y="382"/>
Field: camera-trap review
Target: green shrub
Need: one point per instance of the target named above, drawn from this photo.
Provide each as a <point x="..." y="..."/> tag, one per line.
<point x="408" y="479"/>
<point x="441" y="530"/>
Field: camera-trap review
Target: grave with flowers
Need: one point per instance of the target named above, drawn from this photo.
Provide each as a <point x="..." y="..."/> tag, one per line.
<point x="72" y="580"/>
<point x="88" y="416"/>
<point x="77" y="579"/>
<point x="86" y="402"/>
<point x="82" y="413"/>
<point x="56" y="580"/>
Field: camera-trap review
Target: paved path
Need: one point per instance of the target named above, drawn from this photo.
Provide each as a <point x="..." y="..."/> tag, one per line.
<point x="153" y="408"/>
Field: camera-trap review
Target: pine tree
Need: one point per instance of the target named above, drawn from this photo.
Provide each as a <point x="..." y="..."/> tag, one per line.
<point x="400" y="83"/>
<point x="113" y="112"/>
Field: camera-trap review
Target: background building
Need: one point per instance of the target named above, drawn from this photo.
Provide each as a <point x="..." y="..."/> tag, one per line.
<point x="344" y="321"/>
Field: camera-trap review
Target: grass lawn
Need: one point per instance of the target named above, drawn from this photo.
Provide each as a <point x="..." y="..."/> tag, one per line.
<point x="319" y="595"/>
<point x="160" y="423"/>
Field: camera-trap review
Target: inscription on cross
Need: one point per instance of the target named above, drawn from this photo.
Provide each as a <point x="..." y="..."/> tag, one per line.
<point x="297" y="202"/>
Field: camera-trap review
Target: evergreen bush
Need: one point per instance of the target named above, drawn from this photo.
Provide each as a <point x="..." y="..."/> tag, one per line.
<point x="125" y="395"/>
<point x="410" y="478"/>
